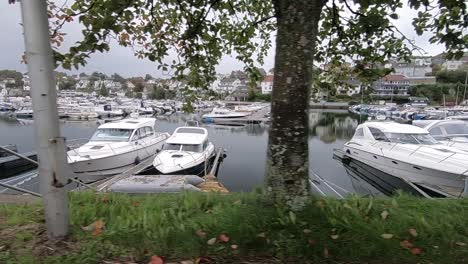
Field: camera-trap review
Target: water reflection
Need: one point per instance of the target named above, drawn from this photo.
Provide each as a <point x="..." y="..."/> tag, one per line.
<point x="244" y="167"/>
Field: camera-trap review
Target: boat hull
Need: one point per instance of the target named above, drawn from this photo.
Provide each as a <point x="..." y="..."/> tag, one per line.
<point x="91" y="170"/>
<point x="449" y="182"/>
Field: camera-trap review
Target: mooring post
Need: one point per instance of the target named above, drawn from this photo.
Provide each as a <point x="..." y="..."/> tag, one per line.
<point x="465" y="190"/>
<point x="50" y="146"/>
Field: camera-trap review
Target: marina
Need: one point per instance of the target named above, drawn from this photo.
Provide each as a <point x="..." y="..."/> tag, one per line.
<point x="239" y="133"/>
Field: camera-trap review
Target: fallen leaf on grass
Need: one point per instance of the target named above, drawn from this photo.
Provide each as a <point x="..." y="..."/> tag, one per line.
<point x="311" y="242"/>
<point x="211" y="241"/>
<point x="223" y="238"/>
<point x="387" y="236"/>
<point x="461" y="244"/>
<point x="186" y="262"/>
<point x="234" y="247"/>
<point x="325" y="252"/>
<point x="200" y="233"/>
<point x="416" y="251"/>
<point x="201" y="260"/>
<point x="384" y="214"/>
<point x="307" y="231"/>
<point x="334" y="237"/>
<point x="262" y="235"/>
<point x="413" y="232"/>
<point x="136" y="204"/>
<point x="98" y="226"/>
<point x="105" y="199"/>
<point x="406" y="244"/>
<point x="238" y="202"/>
<point x="156" y="260"/>
<point x="2" y="247"/>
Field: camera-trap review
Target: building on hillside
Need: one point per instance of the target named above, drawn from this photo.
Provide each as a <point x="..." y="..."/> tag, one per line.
<point x="240" y="94"/>
<point x="350" y="87"/>
<point x="9" y="81"/>
<point x="391" y="85"/>
<point x="3" y="91"/>
<point x="450" y="65"/>
<point x="418" y="101"/>
<point x="267" y="84"/>
<point x="26" y="82"/>
<point x="416" y="67"/>
<point x="421" y="80"/>
<point x="83" y="83"/>
<point x="228" y="84"/>
<point x="130" y="85"/>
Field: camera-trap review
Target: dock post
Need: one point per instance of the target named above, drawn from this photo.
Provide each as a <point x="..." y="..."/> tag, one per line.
<point x="50" y="146"/>
<point x="465" y="190"/>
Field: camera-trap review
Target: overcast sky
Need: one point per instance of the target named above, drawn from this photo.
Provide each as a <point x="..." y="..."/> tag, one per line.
<point x="121" y="60"/>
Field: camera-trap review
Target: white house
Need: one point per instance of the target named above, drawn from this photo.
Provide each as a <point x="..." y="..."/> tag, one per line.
<point x="83" y="83"/>
<point x="267" y="84"/>
<point x="26" y="82"/>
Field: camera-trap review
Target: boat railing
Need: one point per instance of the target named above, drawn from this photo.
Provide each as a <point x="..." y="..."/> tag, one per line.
<point x="423" y="150"/>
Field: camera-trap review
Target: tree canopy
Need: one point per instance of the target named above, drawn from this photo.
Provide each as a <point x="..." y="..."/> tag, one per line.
<point x="200" y="32"/>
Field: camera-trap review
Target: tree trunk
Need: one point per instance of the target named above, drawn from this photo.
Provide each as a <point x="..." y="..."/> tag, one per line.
<point x="288" y="153"/>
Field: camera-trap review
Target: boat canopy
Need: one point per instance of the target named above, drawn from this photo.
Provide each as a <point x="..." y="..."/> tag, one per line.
<point x="130" y="123"/>
<point x="392" y="127"/>
<point x="188" y="135"/>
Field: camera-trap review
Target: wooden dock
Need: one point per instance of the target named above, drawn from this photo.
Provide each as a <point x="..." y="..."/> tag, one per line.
<point x="210" y="184"/>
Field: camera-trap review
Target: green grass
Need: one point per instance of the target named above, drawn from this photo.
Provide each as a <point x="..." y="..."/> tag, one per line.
<point x="166" y="225"/>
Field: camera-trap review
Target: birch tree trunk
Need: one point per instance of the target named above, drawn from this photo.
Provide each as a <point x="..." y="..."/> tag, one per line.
<point x="288" y="152"/>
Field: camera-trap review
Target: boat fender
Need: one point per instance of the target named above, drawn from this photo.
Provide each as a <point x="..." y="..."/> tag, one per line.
<point x="137" y="160"/>
<point x="193" y="180"/>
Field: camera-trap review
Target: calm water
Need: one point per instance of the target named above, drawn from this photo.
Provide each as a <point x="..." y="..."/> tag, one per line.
<point x="244" y="167"/>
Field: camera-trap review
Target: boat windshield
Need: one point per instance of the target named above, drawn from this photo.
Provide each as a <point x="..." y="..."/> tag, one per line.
<point x="112" y="134"/>
<point x="411" y="138"/>
<point x="184" y="147"/>
<point x="456" y="129"/>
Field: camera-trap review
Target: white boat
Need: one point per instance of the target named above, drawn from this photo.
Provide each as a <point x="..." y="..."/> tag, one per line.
<point x="82" y="113"/>
<point x="187" y="152"/>
<point x="410" y="153"/>
<point x="107" y="111"/>
<point x="24" y="112"/>
<point x="224" y="113"/>
<point x="453" y="133"/>
<point x="115" y="147"/>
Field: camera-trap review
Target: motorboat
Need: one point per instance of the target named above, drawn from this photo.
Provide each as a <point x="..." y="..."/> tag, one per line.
<point x="187" y="152"/>
<point x="453" y="133"/>
<point x="108" y="111"/>
<point x="24" y="112"/>
<point x="115" y="147"/>
<point x="82" y="113"/>
<point x="411" y="153"/>
<point x="224" y="113"/>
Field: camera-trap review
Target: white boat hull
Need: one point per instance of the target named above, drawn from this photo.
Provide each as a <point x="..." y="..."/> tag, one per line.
<point x="447" y="181"/>
<point x="89" y="169"/>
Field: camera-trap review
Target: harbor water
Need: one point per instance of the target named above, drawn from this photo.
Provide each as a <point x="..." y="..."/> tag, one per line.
<point x="245" y="145"/>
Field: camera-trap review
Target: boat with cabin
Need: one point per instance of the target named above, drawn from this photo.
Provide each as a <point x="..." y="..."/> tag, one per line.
<point x="116" y="147"/>
<point x="187" y="152"/>
<point x="453" y="133"/>
<point x="410" y="153"/>
<point x="224" y="113"/>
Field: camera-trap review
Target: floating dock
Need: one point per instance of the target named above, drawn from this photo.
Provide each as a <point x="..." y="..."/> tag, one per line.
<point x="132" y="179"/>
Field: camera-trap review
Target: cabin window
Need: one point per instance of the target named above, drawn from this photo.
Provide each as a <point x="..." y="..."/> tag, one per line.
<point x="205" y="144"/>
<point x="378" y="134"/>
<point x="359" y="132"/>
<point x="136" y="136"/>
<point x="149" y="131"/>
<point x="111" y="134"/>
<point x="192" y="148"/>
<point x="169" y="146"/>
<point x="411" y="138"/>
<point x="436" y="131"/>
<point x="456" y="129"/>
